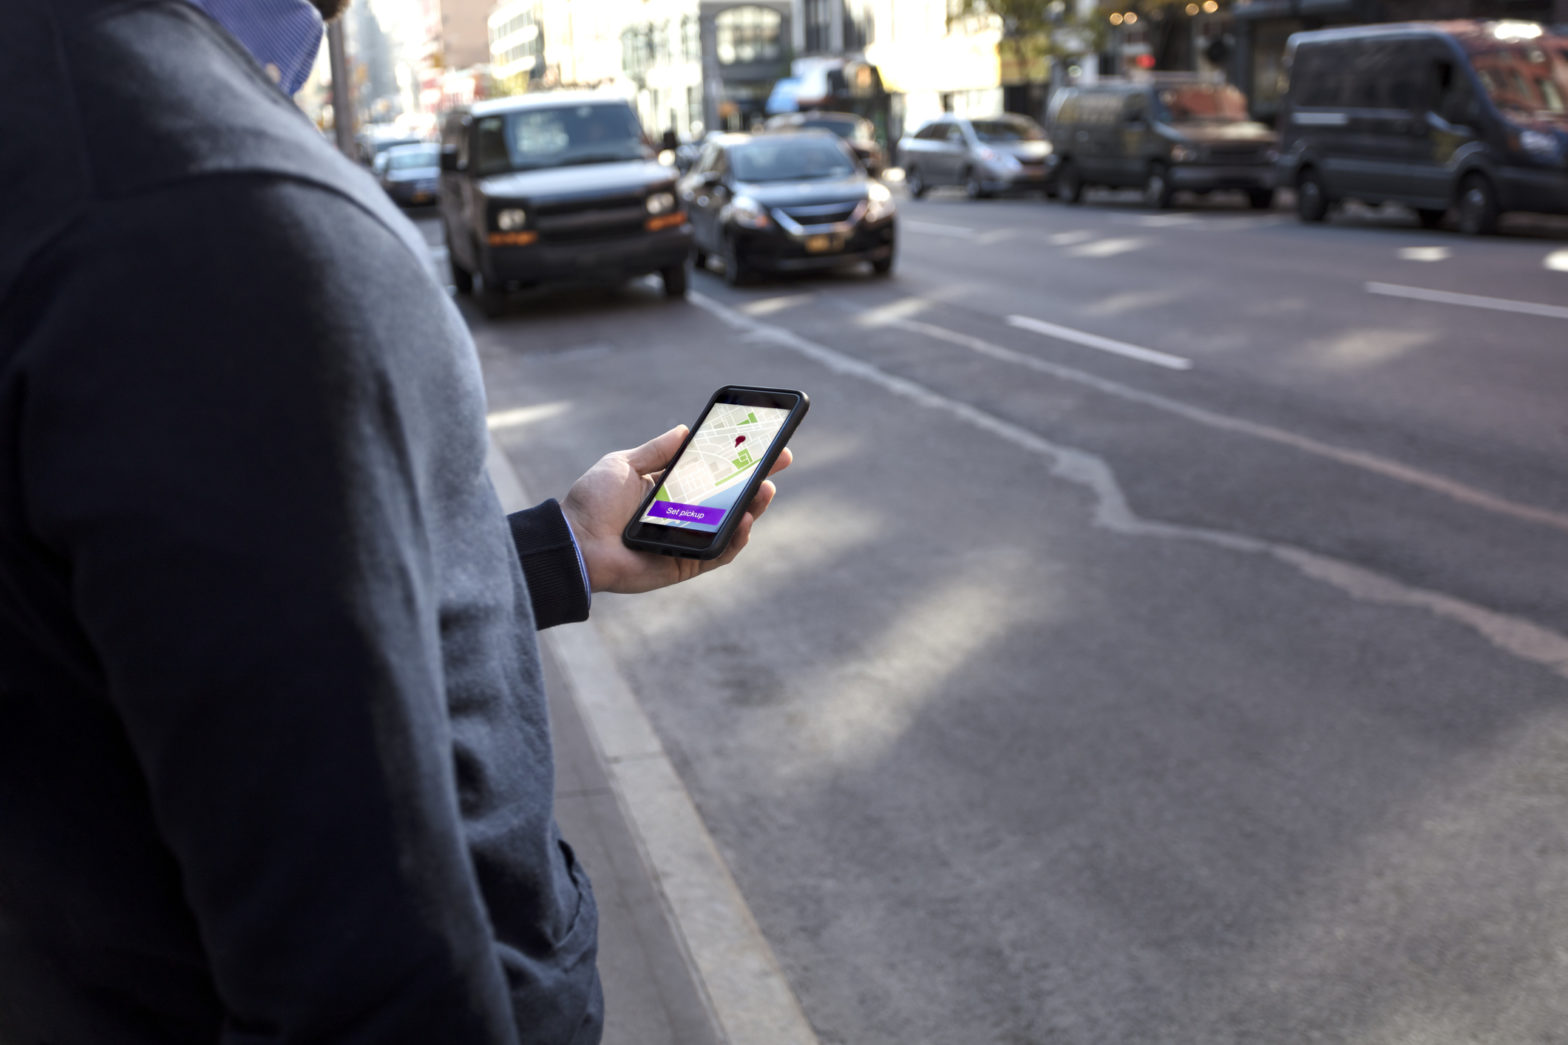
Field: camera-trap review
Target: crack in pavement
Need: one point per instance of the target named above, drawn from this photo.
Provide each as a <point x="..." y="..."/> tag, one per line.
<point x="1514" y="635"/>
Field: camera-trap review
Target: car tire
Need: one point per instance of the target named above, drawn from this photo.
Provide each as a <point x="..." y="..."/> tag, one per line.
<point x="735" y="273"/>
<point x="1157" y="191"/>
<point x="973" y="187"/>
<point x="675" y="280"/>
<point x="1430" y="217"/>
<point x="699" y="259"/>
<point x="492" y="298"/>
<point x="462" y="279"/>
<point x="915" y="182"/>
<point x="1260" y="199"/>
<point x="1311" y="199"/>
<point x="882" y="267"/>
<point x="1069" y="183"/>
<point x="1478" y="210"/>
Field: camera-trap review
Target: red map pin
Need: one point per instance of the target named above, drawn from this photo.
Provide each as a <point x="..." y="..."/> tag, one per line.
<point x="739" y="439"/>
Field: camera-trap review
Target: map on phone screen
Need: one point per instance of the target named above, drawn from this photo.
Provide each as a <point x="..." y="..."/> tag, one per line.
<point x="702" y="487"/>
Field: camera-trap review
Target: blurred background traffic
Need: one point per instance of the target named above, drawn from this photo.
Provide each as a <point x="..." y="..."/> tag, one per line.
<point x="1161" y="635"/>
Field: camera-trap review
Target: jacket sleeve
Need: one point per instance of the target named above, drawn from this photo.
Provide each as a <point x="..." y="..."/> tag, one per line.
<point x="552" y="564"/>
<point x="227" y="445"/>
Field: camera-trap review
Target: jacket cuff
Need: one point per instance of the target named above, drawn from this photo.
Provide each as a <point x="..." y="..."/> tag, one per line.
<point x="552" y="565"/>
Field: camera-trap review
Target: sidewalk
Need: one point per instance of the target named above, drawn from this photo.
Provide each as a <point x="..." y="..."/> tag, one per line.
<point x="651" y="996"/>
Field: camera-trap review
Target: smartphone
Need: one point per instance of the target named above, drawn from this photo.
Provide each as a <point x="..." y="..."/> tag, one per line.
<point x="699" y="501"/>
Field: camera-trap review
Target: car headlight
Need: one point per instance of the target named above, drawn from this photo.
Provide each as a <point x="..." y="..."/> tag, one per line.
<point x="1541" y="145"/>
<point x="879" y="202"/>
<point x="661" y="203"/>
<point x="748" y="213"/>
<point x="1186" y="153"/>
<point x="511" y="219"/>
<point x="1005" y="161"/>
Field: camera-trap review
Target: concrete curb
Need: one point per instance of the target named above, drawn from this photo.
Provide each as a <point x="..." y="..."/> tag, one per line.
<point x="736" y="973"/>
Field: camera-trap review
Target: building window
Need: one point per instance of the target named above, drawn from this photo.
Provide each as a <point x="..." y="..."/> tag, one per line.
<point x="691" y="38"/>
<point x="748" y="34"/>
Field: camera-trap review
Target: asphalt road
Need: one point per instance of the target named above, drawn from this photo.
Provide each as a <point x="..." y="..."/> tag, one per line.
<point x="1162" y="636"/>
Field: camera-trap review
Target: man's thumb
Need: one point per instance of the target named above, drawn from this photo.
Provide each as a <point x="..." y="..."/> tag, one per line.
<point x="656" y="452"/>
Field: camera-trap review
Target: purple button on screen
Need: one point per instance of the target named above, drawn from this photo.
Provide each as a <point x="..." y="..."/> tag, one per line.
<point x="686" y="512"/>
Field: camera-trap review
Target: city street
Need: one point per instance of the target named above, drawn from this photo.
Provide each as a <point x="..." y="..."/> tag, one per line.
<point x="1161" y="636"/>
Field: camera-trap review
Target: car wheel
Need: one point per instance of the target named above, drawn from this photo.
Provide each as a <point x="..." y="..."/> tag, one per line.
<point x="1069" y="184"/>
<point x="492" y="298"/>
<point x="1260" y="199"/>
<point x="915" y="182"/>
<point x="675" y="280"/>
<point x="973" y="187"/>
<point x="1478" y="210"/>
<point x="1157" y="190"/>
<point x="1311" y="200"/>
<point x="1430" y="217"/>
<point x="462" y="279"/>
<point x="699" y="259"/>
<point x="735" y="274"/>
<point x="882" y="266"/>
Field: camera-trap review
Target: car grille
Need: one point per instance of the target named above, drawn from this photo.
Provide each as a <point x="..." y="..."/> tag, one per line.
<point x="590" y="221"/>
<point x="821" y="213"/>
<point x="1248" y="153"/>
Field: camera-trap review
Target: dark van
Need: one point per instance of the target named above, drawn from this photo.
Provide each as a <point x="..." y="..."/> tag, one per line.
<point x="1466" y="116"/>
<point x="553" y="188"/>
<point x="1163" y="135"/>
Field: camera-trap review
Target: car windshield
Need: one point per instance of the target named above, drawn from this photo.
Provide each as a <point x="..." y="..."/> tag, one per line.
<point x="557" y="137"/>
<point x="1007" y="129"/>
<point x="1525" y="77"/>
<point x="412" y="156"/>
<point x="847" y="127"/>
<point x="1204" y="103"/>
<point x="790" y="159"/>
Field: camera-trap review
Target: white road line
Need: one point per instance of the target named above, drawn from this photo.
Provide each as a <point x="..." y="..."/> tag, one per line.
<point x="525" y="415"/>
<point x="938" y="229"/>
<point x="1444" y="297"/>
<point x="741" y="981"/>
<point x="1512" y="634"/>
<point x="1367" y="462"/>
<point x="1104" y="344"/>
<point x="1557" y="261"/>
<point x="1076" y="236"/>
<point x="1425" y="253"/>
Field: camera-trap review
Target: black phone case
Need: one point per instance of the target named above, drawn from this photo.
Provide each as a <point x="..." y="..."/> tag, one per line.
<point x="726" y="530"/>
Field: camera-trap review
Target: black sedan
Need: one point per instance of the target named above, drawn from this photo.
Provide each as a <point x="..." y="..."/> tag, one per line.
<point x="410" y="173"/>
<point x="787" y="203"/>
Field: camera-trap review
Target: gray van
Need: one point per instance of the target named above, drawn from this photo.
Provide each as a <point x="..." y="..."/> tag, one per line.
<point x="1163" y="135"/>
<point x="1467" y="116"/>
<point x="556" y="187"/>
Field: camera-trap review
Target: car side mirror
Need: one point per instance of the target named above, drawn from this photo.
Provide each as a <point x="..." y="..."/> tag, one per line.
<point x="449" y="158"/>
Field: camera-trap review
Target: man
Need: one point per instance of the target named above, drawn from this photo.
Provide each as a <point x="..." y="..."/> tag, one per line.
<point x="274" y="759"/>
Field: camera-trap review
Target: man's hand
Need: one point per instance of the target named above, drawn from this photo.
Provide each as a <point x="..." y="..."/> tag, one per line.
<point x="599" y="505"/>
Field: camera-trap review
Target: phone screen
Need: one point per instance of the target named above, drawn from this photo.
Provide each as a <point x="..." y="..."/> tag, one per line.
<point x="700" y="491"/>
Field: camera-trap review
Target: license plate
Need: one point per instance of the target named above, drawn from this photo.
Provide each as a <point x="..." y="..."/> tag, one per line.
<point x="820" y="244"/>
<point x="421" y="197"/>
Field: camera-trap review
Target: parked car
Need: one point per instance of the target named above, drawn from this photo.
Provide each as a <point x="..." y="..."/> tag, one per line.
<point x="1163" y="135"/>
<point x="785" y="203"/>
<point x="995" y="154"/>
<point x="557" y="187"/>
<point x="410" y="174"/>
<point x="857" y="131"/>
<point x="1470" y="116"/>
<point x="375" y="140"/>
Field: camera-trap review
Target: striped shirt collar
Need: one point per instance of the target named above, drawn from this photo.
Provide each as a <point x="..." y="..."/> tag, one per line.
<point x="282" y="33"/>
